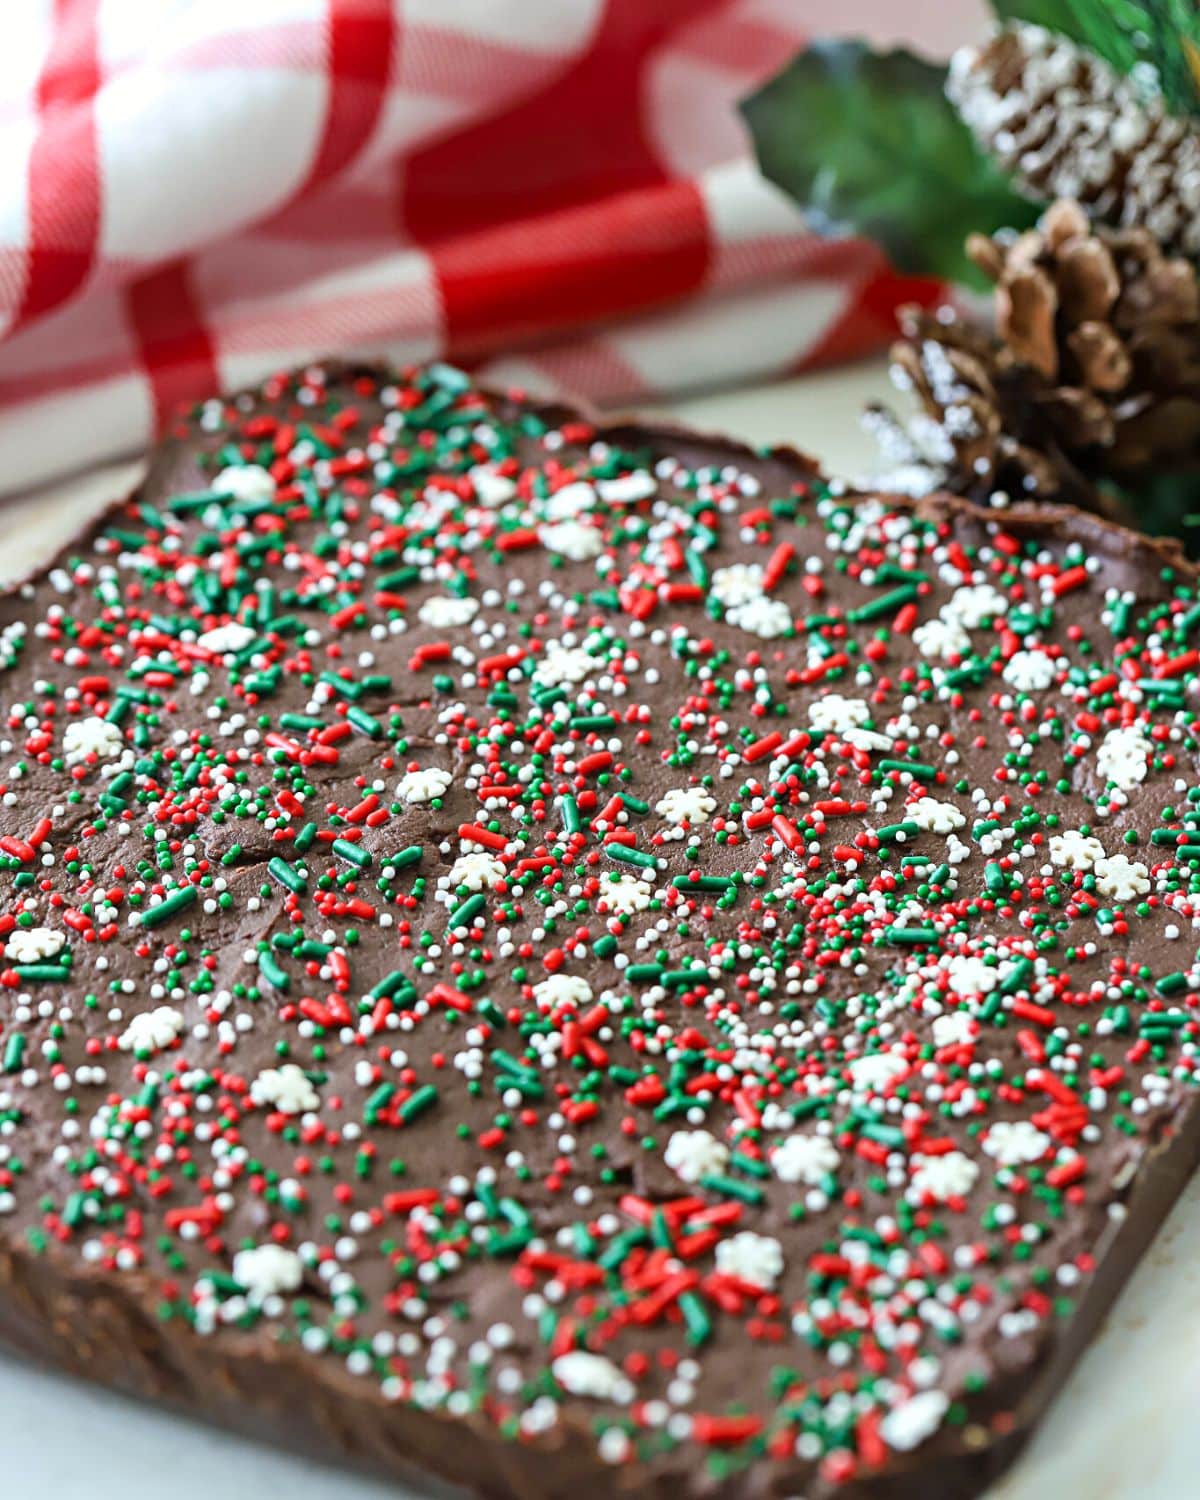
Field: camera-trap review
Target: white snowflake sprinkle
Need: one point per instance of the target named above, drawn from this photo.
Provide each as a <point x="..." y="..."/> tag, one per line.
<point x="805" y="1158"/>
<point x="1029" y="671"/>
<point x="951" y="1175"/>
<point x="575" y="499"/>
<point x="693" y="1154"/>
<point x="755" y="1258"/>
<point x="686" y="804"/>
<point x="1121" y="758"/>
<point x="232" y="636"/>
<point x="876" y="1070"/>
<point x="245" y="482"/>
<point x="737" y="584"/>
<point x="1016" y="1142"/>
<point x="572" y="539"/>
<point x="562" y="989"/>
<point x="941" y="639"/>
<point x="84" y="738"/>
<point x="1121" y="878"/>
<point x="477" y="870"/>
<point x="1078" y="851"/>
<point x="592" y="1376"/>
<point x="764" y="617"/>
<point x="908" y="1425"/>
<point x="626" y="489"/>
<point x="447" y="612"/>
<point x="626" y="894"/>
<point x="952" y="1029"/>
<point x="267" y="1270"/>
<point x="867" y="739"/>
<point x="934" y="816"/>
<point x="30" y="945"/>
<point x="564" y="664"/>
<point x="491" y="489"/>
<point x="151" y="1029"/>
<point x="971" y="605"/>
<point x="423" y="786"/>
<point x="835" y="713"/>
<point x="286" y="1088"/>
<point x="970" y="975"/>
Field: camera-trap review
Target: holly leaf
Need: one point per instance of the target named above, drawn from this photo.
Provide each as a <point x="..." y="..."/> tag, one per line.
<point x="1161" y="35"/>
<point x="867" y="142"/>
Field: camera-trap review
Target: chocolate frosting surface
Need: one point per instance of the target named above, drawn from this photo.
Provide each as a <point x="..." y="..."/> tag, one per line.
<point x="561" y="955"/>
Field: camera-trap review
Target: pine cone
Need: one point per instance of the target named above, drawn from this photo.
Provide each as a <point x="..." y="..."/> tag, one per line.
<point x="1094" y="368"/>
<point x="1064" y="124"/>
<point x="981" y="433"/>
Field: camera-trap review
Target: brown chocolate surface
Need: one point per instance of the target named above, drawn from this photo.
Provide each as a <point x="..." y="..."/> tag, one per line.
<point x="668" y="980"/>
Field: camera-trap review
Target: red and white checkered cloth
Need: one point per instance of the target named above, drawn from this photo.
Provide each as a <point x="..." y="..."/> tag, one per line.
<point x="196" y="192"/>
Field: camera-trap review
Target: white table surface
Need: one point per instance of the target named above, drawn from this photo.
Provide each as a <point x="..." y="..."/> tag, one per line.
<point x="1125" y="1427"/>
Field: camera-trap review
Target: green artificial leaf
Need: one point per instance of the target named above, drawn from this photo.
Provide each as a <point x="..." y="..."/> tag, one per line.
<point x="1165" y="35"/>
<point x="1160" y="502"/>
<point x="1054" y="15"/>
<point x="1103" y="26"/>
<point x="1161" y="35"/>
<point x="868" y="142"/>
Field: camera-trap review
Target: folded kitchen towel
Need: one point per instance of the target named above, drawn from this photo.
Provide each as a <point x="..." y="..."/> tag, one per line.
<point x="196" y="192"/>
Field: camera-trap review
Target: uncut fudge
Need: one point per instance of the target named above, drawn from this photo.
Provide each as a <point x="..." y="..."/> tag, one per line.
<point x="581" y="959"/>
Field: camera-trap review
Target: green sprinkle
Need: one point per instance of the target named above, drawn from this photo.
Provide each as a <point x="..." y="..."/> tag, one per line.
<point x="914" y="768"/>
<point x="424" y="1098"/>
<point x="353" y="854"/>
<point x="464" y="914"/>
<point x="730" y="1187"/>
<point x="644" y="973"/>
<point x="178" y="900"/>
<point x="905" y="935"/>
<point x="569" y="810"/>
<point x="886" y="604"/>
<point x="273" y="973"/>
<point x="696" y="1319"/>
<point x="287" y="876"/>
<point x="390" y="984"/>
<point x="894" y="831"/>
<point x="379" y="1099"/>
<point x="624" y="855"/>
<point x="364" y="722"/>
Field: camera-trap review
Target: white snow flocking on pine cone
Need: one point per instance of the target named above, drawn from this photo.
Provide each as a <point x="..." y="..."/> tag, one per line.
<point x="1065" y="124"/>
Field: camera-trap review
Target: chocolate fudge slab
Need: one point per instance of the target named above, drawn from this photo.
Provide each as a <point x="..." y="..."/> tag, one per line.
<point x="580" y="959"/>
